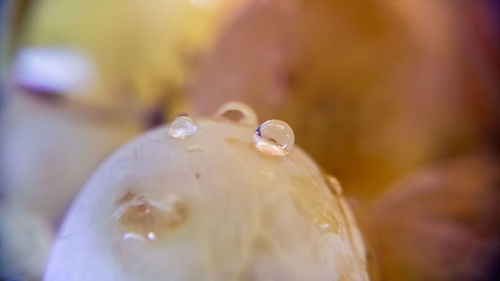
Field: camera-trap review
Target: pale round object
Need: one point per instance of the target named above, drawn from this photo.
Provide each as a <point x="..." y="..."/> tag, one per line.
<point x="157" y="210"/>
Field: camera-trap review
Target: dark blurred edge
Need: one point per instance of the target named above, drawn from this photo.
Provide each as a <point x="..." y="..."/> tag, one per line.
<point x="12" y="16"/>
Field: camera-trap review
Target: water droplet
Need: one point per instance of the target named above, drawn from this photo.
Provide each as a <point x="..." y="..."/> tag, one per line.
<point x="333" y="184"/>
<point x="182" y="127"/>
<point x="141" y="218"/>
<point x="274" y="137"/>
<point x="193" y="148"/>
<point x="312" y="202"/>
<point x="237" y="112"/>
<point x="327" y="222"/>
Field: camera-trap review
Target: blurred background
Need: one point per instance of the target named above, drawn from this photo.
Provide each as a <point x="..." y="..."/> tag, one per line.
<point x="400" y="100"/>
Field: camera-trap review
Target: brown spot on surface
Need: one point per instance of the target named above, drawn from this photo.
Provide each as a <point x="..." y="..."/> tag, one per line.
<point x="197" y="175"/>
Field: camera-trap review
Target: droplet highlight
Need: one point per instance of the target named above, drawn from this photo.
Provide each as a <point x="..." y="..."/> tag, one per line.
<point x="237" y="112"/>
<point x="143" y="219"/>
<point x="193" y="148"/>
<point x="182" y="127"/>
<point x="274" y="137"/>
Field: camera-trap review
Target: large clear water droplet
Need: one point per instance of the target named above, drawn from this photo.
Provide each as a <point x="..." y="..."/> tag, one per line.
<point x="182" y="127"/>
<point x="237" y="112"/>
<point x="274" y="137"/>
<point x="142" y="218"/>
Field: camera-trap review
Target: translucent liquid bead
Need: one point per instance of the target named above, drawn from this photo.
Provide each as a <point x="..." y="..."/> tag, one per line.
<point x="182" y="127"/>
<point x="237" y="112"/>
<point x="144" y="219"/>
<point x="274" y="137"/>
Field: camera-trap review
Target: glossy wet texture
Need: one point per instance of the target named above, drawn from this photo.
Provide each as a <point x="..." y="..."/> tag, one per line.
<point x="274" y="137"/>
<point x="142" y="218"/>
<point x="211" y="206"/>
<point x="182" y="126"/>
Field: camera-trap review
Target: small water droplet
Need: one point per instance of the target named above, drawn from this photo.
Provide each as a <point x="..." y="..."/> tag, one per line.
<point x="193" y="148"/>
<point x="314" y="204"/>
<point x="143" y="219"/>
<point x="237" y="112"/>
<point x="327" y="222"/>
<point x="182" y="127"/>
<point x="274" y="137"/>
<point x="333" y="184"/>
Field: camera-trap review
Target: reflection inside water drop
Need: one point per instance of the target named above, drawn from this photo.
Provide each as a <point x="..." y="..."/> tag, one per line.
<point x="182" y="127"/>
<point x="274" y="137"/>
<point x="237" y="112"/>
